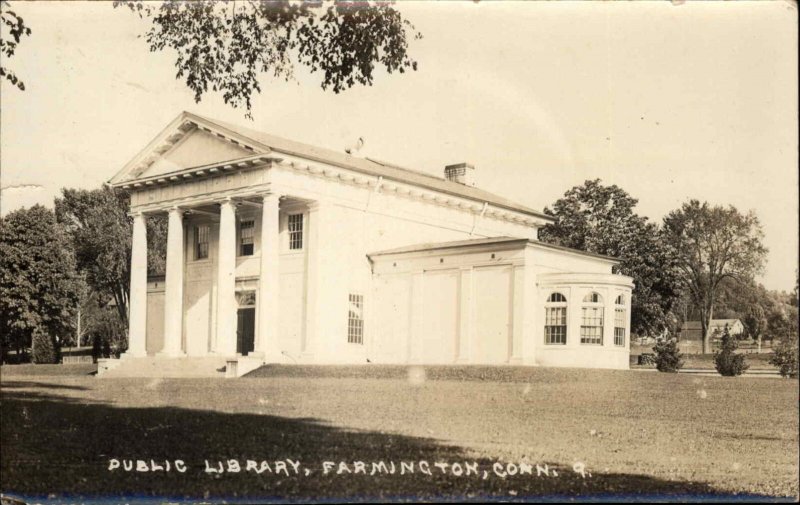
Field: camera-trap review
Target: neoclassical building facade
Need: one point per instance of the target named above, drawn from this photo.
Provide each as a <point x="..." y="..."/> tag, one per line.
<point x="281" y="252"/>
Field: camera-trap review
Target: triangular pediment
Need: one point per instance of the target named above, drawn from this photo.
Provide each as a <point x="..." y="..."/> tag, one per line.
<point x="195" y="149"/>
<point x="188" y="141"/>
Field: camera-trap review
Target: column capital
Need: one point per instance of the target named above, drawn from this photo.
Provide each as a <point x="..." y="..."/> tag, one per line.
<point x="226" y="200"/>
<point x="270" y="196"/>
<point x="136" y="214"/>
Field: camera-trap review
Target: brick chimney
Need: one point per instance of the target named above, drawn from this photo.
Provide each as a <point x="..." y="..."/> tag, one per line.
<point x="462" y="173"/>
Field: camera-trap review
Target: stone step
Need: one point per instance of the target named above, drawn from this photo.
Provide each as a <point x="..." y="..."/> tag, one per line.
<point x="165" y="367"/>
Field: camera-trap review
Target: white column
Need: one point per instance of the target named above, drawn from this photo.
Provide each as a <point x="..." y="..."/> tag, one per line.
<point x="269" y="280"/>
<point x="137" y="301"/>
<point x="518" y="303"/>
<point x="173" y="288"/>
<point x="532" y="307"/>
<point x="327" y="286"/>
<point x="467" y="313"/>
<point x="609" y="297"/>
<point x="226" y="280"/>
<point x="314" y="281"/>
<point x="574" y="313"/>
<point x="417" y="330"/>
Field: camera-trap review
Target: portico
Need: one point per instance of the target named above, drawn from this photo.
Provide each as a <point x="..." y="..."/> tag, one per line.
<point x="185" y="257"/>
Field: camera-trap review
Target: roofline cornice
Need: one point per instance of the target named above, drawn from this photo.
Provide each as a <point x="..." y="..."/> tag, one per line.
<point x="209" y="170"/>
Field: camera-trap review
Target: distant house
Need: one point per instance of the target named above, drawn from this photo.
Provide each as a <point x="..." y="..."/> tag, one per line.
<point x="691" y="335"/>
<point x="693" y="331"/>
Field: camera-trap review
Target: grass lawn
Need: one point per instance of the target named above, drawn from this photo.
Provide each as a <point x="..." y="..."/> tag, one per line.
<point x="640" y="434"/>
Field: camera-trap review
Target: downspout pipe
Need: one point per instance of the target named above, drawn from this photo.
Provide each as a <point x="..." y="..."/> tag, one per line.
<point x="475" y="221"/>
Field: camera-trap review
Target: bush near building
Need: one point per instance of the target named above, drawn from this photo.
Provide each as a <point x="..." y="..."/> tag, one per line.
<point x="668" y="356"/>
<point x="785" y="357"/>
<point x="728" y="363"/>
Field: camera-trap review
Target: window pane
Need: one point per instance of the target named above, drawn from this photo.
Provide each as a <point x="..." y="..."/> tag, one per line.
<point x="201" y="234"/>
<point x="593" y="298"/>
<point x="295" y="231"/>
<point x="592" y="325"/>
<point x="246" y="236"/>
<point x="555" y="329"/>
<point x="619" y="327"/>
<point x="355" y="319"/>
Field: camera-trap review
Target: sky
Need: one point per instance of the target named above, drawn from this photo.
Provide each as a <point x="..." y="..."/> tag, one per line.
<point x="669" y="101"/>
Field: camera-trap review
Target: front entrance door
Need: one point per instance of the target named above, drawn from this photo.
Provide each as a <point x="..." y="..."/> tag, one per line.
<point x="245" y="330"/>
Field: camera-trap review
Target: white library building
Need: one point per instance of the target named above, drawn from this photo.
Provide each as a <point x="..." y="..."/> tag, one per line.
<point x="282" y="252"/>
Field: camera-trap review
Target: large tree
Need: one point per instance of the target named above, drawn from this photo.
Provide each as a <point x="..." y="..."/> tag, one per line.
<point x="226" y="45"/>
<point x="714" y="243"/>
<point x="601" y="219"/>
<point x="38" y="281"/>
<point x="100" y="228"/>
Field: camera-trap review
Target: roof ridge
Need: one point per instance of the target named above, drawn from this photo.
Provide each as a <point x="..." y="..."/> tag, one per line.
<point x="373" y="167"/>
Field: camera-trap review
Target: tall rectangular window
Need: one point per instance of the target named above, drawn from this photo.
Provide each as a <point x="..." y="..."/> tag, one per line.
<point x="295" y="232"/>
<point x="246" y="234"/>
<point x="592" y="325"/>
<point x="201" y="235"/>
<point x="555" y="325"/>
<point x="619" y="327"/>
<point x="355" y="320"/>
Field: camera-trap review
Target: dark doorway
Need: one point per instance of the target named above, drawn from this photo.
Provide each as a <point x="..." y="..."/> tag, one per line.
<point x="245" y="330"/>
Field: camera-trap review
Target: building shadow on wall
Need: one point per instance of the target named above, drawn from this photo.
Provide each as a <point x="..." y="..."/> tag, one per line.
<point x="60" y="447"/>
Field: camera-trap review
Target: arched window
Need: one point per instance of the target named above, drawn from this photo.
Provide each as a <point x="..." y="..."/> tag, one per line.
<point x="619" y="321"/>
<point x="555" y="319"/>
<point x="592" y="319"/>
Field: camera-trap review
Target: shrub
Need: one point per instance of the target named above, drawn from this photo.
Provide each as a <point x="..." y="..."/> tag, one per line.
<point x="668" y="357"/>
<point x="785" y="357"/>
<point x="727" y="362"/>
<point x="45" y="349"/>
<point x="646" y="358"/>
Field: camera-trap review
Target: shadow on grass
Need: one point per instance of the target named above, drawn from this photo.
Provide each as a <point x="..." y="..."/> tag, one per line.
<point x="32" y="384"/>
<point x="55" y="446"/>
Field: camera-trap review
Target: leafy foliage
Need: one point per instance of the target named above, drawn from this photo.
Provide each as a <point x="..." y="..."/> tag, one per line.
<point x="601" y="219"/>
<point x="225" y="45"/>
<point x="668" y="356"/>
<point x="44" y="348"/>
<point x="107" y="333"/>
<point x="755" y="322"/>
<point x="646" y="358"/>
<point x="714" y="243"/>
<point x="12" y="29"/>
<point x="39" y="287"/>
<point x="100" y="229"/>
<point x="97" y="222"/>
<point x="786" y="358"/>
<point x="727" y="362"/>
<point x="748" y="301"/>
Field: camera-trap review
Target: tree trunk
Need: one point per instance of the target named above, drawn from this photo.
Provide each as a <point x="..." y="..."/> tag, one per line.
<point x="122" y="309"/>
<point x="78" y="329"/>
<point x="706" y="315"/>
